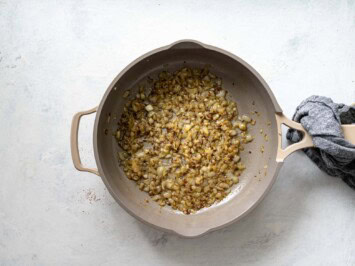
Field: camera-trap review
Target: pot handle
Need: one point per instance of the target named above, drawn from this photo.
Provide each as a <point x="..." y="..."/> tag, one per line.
<point x="74" y="142"/>
<point x="306" y="142"/>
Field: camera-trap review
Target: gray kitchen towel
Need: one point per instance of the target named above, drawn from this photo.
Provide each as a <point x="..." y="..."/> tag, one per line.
<point x="322" y="118"/>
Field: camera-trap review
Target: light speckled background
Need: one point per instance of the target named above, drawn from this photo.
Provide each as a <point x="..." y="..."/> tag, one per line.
<point x="58" y="57"/>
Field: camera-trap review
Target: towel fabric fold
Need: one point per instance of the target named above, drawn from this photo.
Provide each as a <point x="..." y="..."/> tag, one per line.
<point x="322" y="119"/>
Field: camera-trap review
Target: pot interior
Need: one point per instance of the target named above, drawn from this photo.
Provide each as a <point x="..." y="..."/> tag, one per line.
<point x="245" y="87"/>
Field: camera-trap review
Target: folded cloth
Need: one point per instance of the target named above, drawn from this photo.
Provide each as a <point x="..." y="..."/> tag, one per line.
<point x="322" y="119"/>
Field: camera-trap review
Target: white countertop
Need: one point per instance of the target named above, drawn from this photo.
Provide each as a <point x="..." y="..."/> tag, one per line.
<point x="58" y="57"/>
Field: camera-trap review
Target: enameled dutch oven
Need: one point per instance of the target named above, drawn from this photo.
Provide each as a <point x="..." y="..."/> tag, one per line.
<point x="250" y="92"/>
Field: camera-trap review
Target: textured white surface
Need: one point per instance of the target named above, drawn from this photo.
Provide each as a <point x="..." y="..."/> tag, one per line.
<point x="58" y="57"/>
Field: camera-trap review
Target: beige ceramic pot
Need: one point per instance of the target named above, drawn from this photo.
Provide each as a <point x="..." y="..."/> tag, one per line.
<point x="245" y="85"/>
